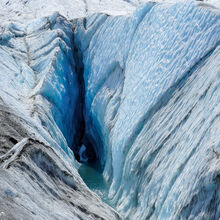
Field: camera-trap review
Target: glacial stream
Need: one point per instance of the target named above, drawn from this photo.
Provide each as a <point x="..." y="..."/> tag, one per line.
<point x="96" y="182"/>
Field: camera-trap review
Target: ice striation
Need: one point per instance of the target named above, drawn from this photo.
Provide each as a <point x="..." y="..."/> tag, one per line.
<point x="37" y="183"/>
<point x="152" y="99"/>
<point x="136" y="96"/>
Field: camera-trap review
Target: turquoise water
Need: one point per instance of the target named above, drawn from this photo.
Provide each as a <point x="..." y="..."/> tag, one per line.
<point x="96" y="182"/>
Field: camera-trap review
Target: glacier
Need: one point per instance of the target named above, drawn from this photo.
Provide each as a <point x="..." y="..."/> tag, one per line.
<point x="39" y="121"/>
<point x="133" y="93"/>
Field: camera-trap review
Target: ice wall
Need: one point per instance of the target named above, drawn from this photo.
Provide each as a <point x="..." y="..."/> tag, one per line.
<point x="41" y="83"/>
<point x="152" y="107"/>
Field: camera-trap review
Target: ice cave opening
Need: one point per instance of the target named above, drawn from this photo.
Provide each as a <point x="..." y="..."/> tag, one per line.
<point x="86" y="154"/>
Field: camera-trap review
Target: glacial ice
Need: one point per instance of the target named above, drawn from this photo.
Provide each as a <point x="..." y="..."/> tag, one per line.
<point x="135" y="66"/>
<point x="39" y="91"/>
<point x="151" y="108"/>
<point x="82" y="155"/>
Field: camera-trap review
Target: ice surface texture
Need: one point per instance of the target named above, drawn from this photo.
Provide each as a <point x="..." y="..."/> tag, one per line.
<point x="41" y="78"/>
<point x="38" y="122"/>
<point x="26" y="10"/>
<point x="36" y="182"/>
<point x="152" y="106"/>
<point x="152" y="98"/>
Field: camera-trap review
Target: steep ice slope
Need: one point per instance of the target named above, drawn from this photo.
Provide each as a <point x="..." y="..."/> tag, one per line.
<point x="152" y="108"/>
<point x="41" y="82"/>
<point x="108" y="47"/>
<point x="174" y="170"/>
<point x="39" y="116"/>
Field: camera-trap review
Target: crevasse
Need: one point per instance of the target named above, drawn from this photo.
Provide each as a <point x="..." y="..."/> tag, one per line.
<point x="39" y="121"/>
<point x="140" y="92"/>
